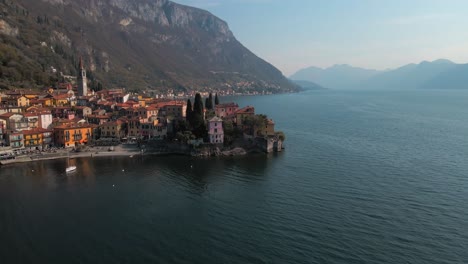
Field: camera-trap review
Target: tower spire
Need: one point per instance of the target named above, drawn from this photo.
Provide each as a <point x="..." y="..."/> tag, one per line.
<point x="81" y="63"/>
<point x="82" y="81"/>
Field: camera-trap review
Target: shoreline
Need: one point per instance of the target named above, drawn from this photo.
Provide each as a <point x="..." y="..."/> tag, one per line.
<point x="65" y="154"/>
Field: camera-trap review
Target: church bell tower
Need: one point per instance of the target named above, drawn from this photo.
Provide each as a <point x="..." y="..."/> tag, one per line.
<point x="82" y="82"/>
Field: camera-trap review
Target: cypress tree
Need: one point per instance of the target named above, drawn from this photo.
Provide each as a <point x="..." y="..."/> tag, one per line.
<point x="207" y="104"/>
<point x="210" y="102"/>
<point x="197" y="120"/>
<point x="189" y="111"/>
<point x="216" y="99"/>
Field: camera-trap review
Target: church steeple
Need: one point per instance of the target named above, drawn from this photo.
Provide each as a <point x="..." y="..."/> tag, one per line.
<point x="82" y="81"/>
<point x="81" y="63"/>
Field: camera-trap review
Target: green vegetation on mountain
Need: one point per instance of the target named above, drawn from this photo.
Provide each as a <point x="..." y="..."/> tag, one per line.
<point x="139" y="44"/>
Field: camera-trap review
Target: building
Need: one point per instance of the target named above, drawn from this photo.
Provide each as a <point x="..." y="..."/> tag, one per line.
<point x="242" y="113"/>
<point x="33" y="119"/>
<point x="39" y="138"/>
<point x="19" y="101"/>
<point x="15" y="121"/>
<point x="82" y="80"/>
<point x="215" y="130"/>
<point x="171" y="110"/>
<point x="45" y="119"/>
<point x="83" y="111"/>
<point x="113" y="129"/>
<point x="71" y="135"/>
<point x="268" y="129"/>
<point x="99" y="119"/>
<point x="223" y="110"/>
<point x="15" y="139"/>
<point x="153" y="129"/>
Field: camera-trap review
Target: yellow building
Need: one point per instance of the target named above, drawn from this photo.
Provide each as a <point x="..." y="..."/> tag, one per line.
<point x="20" y="101"/>
<point x="45" y="101"/>
<point x="61" y="100"/>
<point x="37" y="137"/>
<point x="71" y="135"/>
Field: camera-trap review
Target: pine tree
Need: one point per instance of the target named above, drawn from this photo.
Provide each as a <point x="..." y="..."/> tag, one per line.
<point x="216" y="99"/>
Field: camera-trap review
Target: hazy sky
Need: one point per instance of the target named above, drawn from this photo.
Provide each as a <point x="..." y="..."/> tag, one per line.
<point x="377" y="34"/>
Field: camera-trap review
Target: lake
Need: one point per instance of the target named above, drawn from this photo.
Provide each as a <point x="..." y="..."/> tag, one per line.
<point x="366" y="177"/>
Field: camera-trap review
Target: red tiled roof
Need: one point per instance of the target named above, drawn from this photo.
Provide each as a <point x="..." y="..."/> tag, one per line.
<point x="246" y="110"/>
<point x="35" y="131"/>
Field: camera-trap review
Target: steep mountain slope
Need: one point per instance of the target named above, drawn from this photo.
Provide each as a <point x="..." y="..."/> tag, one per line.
<point x="335" y="77"/>
<point x="131" y="43"/>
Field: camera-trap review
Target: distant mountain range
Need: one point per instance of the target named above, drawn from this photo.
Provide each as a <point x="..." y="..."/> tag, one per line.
<point x="335" y="77"/>
<point x="135" y="44"/>
<point x="438" y="74"/>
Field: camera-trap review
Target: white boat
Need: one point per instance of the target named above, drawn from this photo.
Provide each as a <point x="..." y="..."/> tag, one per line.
<point x="69" y="168"/>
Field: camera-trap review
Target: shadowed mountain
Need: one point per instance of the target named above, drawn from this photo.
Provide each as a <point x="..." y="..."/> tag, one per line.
<point x="135" y="44"/>
<point x="308" y="85"/>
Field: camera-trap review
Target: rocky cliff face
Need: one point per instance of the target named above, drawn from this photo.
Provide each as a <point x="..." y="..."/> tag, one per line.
<point x="138" y="44"/>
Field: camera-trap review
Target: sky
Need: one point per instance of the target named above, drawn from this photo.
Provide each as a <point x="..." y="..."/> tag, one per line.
<point x="374" y="34"/>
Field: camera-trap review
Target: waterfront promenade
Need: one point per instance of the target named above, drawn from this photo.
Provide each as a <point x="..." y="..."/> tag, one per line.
<point x="98" y="151"/>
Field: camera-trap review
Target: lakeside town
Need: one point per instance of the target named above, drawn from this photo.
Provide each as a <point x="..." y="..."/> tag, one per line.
<point x="74" y="118"/>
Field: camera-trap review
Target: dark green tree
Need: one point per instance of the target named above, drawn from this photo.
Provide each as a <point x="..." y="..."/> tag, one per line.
<point x="198" y="121"/>
<point x="209" y="104"/>
<point x="189" y="111"/>
<point x="198" y="105"/>
<point x="216" y="99"/>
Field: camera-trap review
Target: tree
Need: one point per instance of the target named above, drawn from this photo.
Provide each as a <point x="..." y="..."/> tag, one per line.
<point x="198" y="105"/>
<point x="189" y="111"/>
<point x="209" y="104"/>
<point x="216" y="99"/>
<point x="197" y="118"/>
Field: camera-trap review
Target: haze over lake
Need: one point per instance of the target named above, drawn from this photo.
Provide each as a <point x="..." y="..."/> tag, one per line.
<point x="366" y="177"/>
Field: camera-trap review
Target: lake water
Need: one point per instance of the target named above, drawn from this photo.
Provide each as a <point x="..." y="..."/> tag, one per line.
<point x="366" y="177"/>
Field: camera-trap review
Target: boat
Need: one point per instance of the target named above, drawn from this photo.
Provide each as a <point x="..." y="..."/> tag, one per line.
<point x="69" y="168"/>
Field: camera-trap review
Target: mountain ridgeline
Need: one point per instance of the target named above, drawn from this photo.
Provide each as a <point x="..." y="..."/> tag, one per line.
<point x="136" y="44"/>
<point x="438" y="74"/>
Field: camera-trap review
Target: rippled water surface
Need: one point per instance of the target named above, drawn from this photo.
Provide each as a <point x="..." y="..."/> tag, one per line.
<point x="367" y="177"/>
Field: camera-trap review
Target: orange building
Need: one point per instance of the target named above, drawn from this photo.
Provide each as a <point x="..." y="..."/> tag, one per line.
<point x="71" y="135"/>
